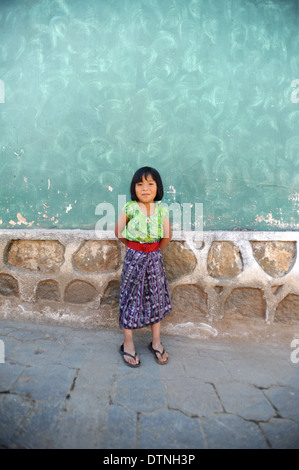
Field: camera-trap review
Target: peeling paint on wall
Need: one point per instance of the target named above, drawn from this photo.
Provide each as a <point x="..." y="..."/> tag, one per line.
<point x="271" y="222"/>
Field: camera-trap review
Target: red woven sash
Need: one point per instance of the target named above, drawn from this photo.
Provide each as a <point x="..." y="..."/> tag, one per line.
<point x="146" y="247"/>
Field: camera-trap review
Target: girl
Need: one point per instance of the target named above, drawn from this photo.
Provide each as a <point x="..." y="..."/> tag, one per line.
<point x="144" y="300"/>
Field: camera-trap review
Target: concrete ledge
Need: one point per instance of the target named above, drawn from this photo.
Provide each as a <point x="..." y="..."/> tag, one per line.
<point x="235" y="284"/>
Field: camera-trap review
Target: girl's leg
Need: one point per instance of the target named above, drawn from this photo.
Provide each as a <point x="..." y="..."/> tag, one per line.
<point x="129" y="347"/>
<point x="156" y="343"/>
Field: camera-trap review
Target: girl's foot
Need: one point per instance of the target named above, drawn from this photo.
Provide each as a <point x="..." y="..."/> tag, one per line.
<point x="159" y="352"/>
<point x="130" y="355"/>
<point x="156" y="347"/>
<point x="128" y="349"/>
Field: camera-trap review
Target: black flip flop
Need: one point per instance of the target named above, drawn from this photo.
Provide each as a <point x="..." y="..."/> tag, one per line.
<point x="155" y="352"/>
<point x="123" y="354"/>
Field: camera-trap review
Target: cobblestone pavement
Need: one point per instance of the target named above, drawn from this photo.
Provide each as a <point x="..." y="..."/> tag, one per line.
<point x="65" y="387"/>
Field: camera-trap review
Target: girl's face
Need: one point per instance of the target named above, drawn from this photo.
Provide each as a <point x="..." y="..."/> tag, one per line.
<point x="146" y="190"/>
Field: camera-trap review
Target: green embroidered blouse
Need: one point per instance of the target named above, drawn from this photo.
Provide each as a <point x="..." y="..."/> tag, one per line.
<point x="143" y="228"/>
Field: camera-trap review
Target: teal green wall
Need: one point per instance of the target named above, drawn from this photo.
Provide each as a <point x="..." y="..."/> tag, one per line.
<point x="200" y="89"/>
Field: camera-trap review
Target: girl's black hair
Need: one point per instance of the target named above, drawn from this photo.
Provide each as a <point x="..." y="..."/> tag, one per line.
<point x="137" y="178"/>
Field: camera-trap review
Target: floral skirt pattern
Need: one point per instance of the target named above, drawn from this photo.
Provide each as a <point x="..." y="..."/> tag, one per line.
<point x="144" y="295"/>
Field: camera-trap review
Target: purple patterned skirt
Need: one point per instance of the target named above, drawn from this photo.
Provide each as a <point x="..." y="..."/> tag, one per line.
<point x="144" y="295"/>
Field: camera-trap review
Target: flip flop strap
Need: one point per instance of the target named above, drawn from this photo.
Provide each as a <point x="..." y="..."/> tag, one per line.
<point x="161" y="353"/>
<point x="128" y="354"/>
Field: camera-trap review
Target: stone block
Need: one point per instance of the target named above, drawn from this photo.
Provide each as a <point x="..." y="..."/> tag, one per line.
<point x="13" y="409"/>
<point x="45" y="256"/>
<point x="181" y="396"/>
<point x="111" y="295"/>
<point x="48" y="290"/>
<point x="45" y="383"/>
<point x="178" y="260"/>
<point x="79" y="292"/>
<point x="275" y="258"/>
<point x="137" y="395"/>
<point x="121" y="429"/>
<point x="97" y="256"/>
<point x="281" y="433"/>
<point x="161" y="427"/>
<point x="189" y="302"/>
<point x="239" y="433"/>
<point x="245" y="302"/>
<point x="245" y="400"/>
<point x="224" y="260"/>
<point x="8" y="285"/>
<point x="288" y="309"/>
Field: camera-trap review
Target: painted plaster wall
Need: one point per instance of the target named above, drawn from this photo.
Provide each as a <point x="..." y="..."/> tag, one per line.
<point x="206" y="91"/>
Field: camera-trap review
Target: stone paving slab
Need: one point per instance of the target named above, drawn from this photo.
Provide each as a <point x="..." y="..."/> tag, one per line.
<point x="246" y="401"/>
<point x="66" y="388"/>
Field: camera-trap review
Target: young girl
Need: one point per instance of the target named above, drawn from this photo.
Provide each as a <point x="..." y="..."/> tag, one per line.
<point x="144" y="300"/>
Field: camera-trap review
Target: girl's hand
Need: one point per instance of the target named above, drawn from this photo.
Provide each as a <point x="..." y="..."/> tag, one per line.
<point x="167" y="234"/>
<point x="119" y="227"/>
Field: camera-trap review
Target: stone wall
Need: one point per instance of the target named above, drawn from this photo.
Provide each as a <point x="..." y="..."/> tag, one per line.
<point x="249" y="279"/>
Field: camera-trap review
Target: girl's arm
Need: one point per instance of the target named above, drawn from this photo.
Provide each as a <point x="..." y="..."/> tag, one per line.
<point x="167" y="233"/>
<point x="119" y="226"/>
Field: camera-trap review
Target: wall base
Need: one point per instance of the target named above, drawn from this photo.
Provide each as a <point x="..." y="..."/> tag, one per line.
<point x="228" y="285"/>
